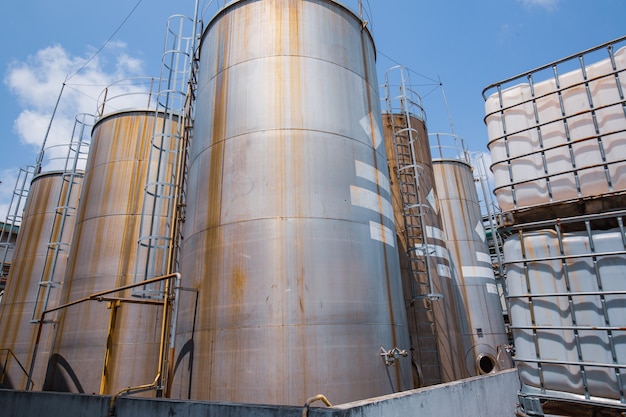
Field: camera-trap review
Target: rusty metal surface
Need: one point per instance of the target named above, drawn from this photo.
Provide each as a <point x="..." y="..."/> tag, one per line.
<point x="289" y="235"/>
<point x="438" y="349"/>
<point x="104" y="257"/>
<point x="30" y="263"/>
<point x="480" y="312"/>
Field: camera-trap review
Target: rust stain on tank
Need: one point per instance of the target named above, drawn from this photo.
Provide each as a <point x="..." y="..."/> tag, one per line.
<point x="217" y="150"/>
<point x="377" y="164"/>
<point x="239" y="283"/>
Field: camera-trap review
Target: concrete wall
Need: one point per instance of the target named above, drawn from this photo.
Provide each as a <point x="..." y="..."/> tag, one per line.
<point x="486" y="396"/>
<point x="53" y="404"/>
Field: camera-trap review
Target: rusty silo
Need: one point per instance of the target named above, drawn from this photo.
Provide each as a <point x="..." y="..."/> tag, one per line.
<point x="104" y="347"/>
<point x="481" y="318"/>
<point x="289" y="237"/>
<point x="426" y="269"/>
<point x="39" y="262"/>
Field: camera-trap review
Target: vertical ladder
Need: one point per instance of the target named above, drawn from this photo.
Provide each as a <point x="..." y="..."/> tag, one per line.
<point x="161" y="192"/>
<point x="163" y="210"/>
<point x="13" y="219"/>
<point x="419" y="254"/>
<point x="187" y="129"/>
<point x="59" y="240"/>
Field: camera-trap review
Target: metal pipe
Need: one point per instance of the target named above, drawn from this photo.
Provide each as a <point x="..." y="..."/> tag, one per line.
<point x="128" y="300"/>
<point x="566" y="294"/>
<point x="96" y="297"/>
<point x="128" y="390"/>
<point x="173" y="320"/>
<point x="157" y="379"/>
<point x="595" y="48"/>
<point x="572" y="363"/>
<point x="565" y="257"/>
<point x="606" y="215"/>
<point x="10" y="353"/>
<point x="109" y="347"/>
<point x="45" y="138"/>
<point x="574" y="328"/>
<point x="318" y="397"/>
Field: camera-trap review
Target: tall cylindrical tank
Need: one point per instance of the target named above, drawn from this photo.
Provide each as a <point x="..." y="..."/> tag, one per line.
<point x="289" y="236"/>
<point x="433" y="326"/>
<point x="35" y="278"/>
<point x="104" y="347"/>
<point x="481" y="319"/>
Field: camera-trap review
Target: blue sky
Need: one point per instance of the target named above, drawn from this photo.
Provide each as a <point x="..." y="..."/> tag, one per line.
<point x="465" y="44"/>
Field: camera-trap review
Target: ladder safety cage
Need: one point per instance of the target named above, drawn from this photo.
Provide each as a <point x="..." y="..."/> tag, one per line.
<point x="163" y="183"/>
<point x="14" y="216"/>
<point x="401" y="108"/>
<point x="407" y="104"/>
<point x="71" y="159"/>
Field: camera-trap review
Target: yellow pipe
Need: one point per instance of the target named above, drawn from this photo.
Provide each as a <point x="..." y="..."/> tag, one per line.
<point x="155" y="384"/>
<point x="309" y="401"/>
<point x="166" y="313"/>
<point x="93" y="297"/>
<point x="109" y="346"/>
<point x="128" y="390"/>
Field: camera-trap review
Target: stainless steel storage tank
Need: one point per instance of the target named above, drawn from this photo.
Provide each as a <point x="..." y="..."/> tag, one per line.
<point x="433" y="325"/>
<point x="289" y="236"/>
<point x="35" y="279"/>
<point x="481" y="318"/>
<point x="104" y="347"/>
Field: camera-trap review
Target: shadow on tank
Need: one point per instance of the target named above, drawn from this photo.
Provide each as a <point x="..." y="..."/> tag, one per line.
<point x="60" y="376"/>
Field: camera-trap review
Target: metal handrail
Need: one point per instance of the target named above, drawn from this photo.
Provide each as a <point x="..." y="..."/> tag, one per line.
<point x="452" y="142"/>
<point x="552" y="64"/>
<point x="4" y="368"/>
<point x="572" y="363"/>
<point x="116" y="96"/>
<point x="567" y="220"/>
<point x="566" y="294"/>
<point x="99" y="296"/>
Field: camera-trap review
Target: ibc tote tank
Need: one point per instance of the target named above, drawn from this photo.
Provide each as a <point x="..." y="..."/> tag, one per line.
<point x="23" y="301"/>
<point x="481" y="320"/>
<point x="289" y="235"/>
<point x="103" y="258"/>
<point x="568" y="314"/>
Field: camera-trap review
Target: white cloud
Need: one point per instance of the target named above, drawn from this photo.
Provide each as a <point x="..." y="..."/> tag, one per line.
<point x="36" y="83"/>
<point x="549" y="5"/>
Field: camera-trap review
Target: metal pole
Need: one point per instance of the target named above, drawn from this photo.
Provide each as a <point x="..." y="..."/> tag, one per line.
<point x="45" y="138"/>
